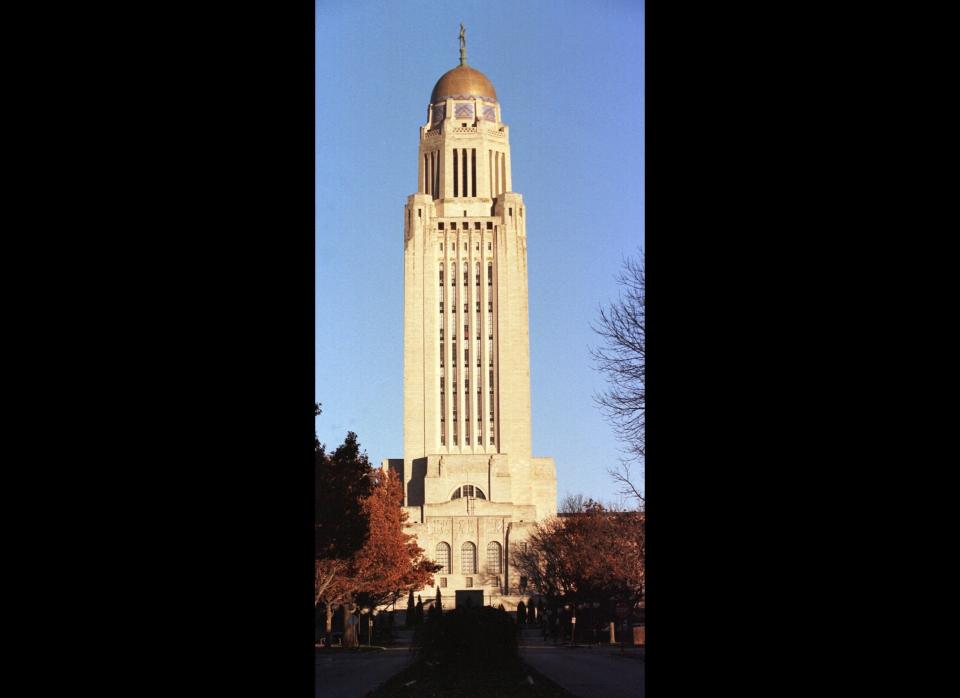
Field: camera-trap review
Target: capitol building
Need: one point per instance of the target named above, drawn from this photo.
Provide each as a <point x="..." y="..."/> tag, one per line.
<point x="472" y="487"/>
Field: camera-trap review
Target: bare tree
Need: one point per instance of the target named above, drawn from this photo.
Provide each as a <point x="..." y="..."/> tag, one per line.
<point x="573" y="504"/>
<point x="621" y="357"/>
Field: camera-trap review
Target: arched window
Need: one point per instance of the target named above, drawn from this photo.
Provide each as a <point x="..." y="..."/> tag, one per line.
<point x="468" y="491"/>
<point x="468" y="558"/>
<point x="493" y="557"/>
<point x="443" y="557"/>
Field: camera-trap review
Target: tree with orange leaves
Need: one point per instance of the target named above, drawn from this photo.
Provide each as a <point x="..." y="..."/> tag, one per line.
<point x="389" y="560"/>
<point x="342" y="485"/>
<point x="564" y="560"/>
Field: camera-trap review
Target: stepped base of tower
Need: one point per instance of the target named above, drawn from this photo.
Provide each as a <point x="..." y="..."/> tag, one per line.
<point x="472" y="513"/>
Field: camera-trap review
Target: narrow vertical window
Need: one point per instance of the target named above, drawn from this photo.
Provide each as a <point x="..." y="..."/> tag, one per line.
<point x="441" y="275"/>
<point x="489" y="275"/>
<point x="456" y="182"/>
<point x="443" y="558"/>
<point x="436" y="176"/>
<point x="473" y="171"/>
<point x="493" y="557"/>
<point x="464" y="161"/>
<point x="490" y="172"/>
<point x="478" y="282"/>
<point x="468" y="558"/>
<point x="426" y="175"/>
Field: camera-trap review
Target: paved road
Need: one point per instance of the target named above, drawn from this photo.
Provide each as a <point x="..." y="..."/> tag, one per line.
<point x="598" y="671"/>
<point x="349" y="675"/>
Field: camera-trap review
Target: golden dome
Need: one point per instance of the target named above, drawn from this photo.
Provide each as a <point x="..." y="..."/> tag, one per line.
<point x="463" y="81"/>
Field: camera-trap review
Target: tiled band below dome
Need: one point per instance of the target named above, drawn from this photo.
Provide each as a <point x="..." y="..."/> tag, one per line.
<point x="481" y="97"/>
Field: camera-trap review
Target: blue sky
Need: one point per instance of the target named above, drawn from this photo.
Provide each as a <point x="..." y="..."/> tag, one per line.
<point x="569" y="76"/>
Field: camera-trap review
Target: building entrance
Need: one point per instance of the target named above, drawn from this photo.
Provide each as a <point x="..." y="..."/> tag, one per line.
<point x="469" y="598"/>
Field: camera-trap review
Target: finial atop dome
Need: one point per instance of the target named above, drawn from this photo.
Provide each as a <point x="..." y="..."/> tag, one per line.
<point x="463" y="45"/>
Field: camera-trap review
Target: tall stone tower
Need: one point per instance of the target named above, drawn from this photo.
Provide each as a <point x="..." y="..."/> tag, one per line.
<point x="471" y="484"/>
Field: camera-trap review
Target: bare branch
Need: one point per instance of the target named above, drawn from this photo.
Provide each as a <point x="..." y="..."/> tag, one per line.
<point x="621" y="357"/>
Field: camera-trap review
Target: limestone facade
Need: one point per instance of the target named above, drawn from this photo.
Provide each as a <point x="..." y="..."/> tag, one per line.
<point x="472" y="487"/>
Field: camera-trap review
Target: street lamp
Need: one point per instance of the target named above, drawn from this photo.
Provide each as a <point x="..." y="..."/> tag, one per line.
<point x="573" y="627"/>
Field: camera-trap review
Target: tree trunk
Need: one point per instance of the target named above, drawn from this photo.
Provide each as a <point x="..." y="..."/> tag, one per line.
<point x="349" y="631"/>
<point x="329" y="625"/>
